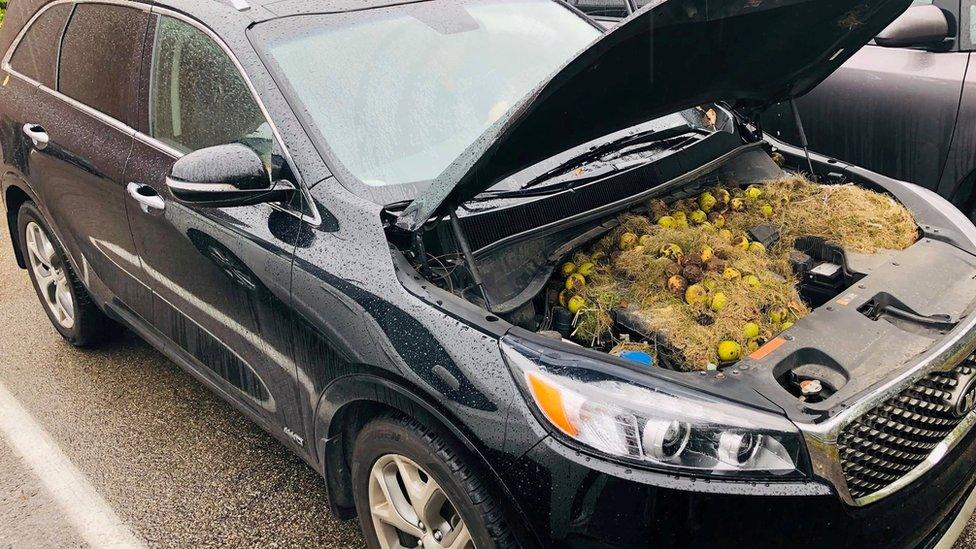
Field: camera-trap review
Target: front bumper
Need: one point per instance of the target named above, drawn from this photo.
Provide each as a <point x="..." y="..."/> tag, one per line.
<point x="573" y="500"/>
<point x="822" y="438"/>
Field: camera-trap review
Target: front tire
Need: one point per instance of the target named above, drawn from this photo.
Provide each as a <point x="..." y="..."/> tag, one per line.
<point x="65" y="300"/>
<point x="413" y="488"/>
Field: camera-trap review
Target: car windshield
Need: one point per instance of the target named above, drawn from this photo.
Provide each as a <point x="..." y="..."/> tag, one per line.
<point x="397" y="94"/>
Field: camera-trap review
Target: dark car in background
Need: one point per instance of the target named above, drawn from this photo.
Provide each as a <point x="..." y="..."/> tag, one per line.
<point x="343" y="217"/>
<point x="904" y="105"/>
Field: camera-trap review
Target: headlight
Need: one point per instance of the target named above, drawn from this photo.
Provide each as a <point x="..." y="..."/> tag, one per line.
<point x="667" y="426"/>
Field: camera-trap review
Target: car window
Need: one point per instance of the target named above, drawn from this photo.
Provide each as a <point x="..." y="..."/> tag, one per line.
<point x="601" y="8"/>
<point x="36" y="56"/>
<point x="396" y="98"/>
<point x="101" y="55"/>
<point x="198" y="97"/>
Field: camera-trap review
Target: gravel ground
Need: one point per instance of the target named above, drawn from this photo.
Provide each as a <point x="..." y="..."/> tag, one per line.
<point x="178" y="465"/>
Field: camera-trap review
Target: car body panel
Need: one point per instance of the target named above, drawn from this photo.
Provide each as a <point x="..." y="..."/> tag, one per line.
<point x="351" y="310"/>
<point x="593" y="505"/>
<point x="870" y="113"/>
<point x="225" y="300"/>
<point x="81" y="171"/>
<point x="15" y="147"/>
<point x="959" y="173"/>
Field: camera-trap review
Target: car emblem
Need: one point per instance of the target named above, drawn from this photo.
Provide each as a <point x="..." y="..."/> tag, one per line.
<point x="962" y="399"/>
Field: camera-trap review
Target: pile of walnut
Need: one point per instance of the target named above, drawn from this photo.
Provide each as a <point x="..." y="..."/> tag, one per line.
<point x="697" y="274"/>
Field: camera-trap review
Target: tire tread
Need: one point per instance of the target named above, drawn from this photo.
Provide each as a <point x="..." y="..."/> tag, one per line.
<point x="467" y="478"/>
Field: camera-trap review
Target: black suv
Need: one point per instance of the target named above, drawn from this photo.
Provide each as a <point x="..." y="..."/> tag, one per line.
<point x="343" y="217"/>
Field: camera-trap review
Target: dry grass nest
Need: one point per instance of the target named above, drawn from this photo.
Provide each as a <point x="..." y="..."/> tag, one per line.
<point x="739" y="292"/>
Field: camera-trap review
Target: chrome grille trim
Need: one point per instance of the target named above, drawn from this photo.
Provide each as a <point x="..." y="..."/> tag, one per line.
<point x="886" y="443"/>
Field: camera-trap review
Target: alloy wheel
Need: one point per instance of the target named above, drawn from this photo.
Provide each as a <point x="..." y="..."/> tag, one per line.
<point x="409" y="509"/>
<point x="50" y="275"/>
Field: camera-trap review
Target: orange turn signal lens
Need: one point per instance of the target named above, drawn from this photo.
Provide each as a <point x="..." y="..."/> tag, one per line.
<point x="549" y="398"/>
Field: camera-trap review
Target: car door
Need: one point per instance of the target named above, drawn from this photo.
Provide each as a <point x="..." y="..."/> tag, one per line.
<point x="32" y="60"/>
<point x="80" y="127"/>
<point x="958" y="182"/>
<point x="892" y="110"/>
<point x="221" y="277"/>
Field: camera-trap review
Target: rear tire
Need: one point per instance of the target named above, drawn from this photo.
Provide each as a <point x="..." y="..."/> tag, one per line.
<point x="65" y="300"/>
<point x="404" y="473"/>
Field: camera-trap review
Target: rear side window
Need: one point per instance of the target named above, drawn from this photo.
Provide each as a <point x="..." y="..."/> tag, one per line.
<point x="101" y="56"/>
<point x="36" y="56"/>
<point x="601" y="8"/>
<point x="198" y="97"/>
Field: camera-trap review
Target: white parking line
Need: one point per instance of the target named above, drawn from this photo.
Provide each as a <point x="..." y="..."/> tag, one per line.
<point x="90" y="515"/>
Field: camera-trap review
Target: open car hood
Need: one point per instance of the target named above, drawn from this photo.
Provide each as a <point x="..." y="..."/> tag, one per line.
<point x="670" y="55"/>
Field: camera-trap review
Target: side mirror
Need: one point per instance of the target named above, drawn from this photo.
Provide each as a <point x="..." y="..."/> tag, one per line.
<point x="918" y="26"/>
<point x="225" y="176"/>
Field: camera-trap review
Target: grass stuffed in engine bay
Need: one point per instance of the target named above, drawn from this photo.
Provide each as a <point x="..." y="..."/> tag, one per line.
<point x="713" y="276"/>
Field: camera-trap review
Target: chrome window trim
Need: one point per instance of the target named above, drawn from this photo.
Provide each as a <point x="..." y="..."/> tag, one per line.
<point x="30" y="23"/>
<point x="821" y="438"/>
<point x="158" y="145"/>
<point x="315" y="220"/>
<point x="94" y="113"/>
<point x="200" y="187"/>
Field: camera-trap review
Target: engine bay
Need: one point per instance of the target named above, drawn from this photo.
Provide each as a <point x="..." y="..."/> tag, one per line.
<point x="732" y="266"/>
<point x="697" y="282"/>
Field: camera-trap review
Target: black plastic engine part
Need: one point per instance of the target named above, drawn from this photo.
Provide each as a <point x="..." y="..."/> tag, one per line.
<point x="562" y="321"/>
<point x="766" y="234"/>
<point x="885" y="306"/>
<point x="828" y="276"/>
<point x="801" y="262"/>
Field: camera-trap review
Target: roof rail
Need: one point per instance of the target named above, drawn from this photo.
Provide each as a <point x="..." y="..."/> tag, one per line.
<point x="239" y="5"/>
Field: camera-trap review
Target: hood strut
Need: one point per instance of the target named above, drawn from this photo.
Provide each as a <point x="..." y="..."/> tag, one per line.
<point x="803" y="135"/>
<point x="468" y="257"/>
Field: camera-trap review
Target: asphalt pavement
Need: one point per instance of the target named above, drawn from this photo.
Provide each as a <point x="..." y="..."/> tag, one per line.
<point x="178" y="466"/>
<point x="102" y="447"/>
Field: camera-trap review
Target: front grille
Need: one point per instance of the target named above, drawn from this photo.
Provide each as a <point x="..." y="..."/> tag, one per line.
<point x="888" y="442"/>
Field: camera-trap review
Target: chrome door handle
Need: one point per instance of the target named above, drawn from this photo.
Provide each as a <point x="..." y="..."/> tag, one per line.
<point x="147" y="197"/>
<point x="37" y="135"/>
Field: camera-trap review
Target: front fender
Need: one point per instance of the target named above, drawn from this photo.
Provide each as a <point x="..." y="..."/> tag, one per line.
<point x="390" y="395"/>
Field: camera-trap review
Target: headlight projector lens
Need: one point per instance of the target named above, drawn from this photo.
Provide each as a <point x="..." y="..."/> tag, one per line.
<point x="665" y="440"/>
<point x="739" y="448"/>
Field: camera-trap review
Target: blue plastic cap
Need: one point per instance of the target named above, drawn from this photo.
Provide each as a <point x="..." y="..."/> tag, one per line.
<point x="639" y="357"/>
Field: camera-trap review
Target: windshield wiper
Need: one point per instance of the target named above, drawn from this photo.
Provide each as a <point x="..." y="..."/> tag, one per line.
<point x="532" y="187"/>
<point x="606" y="148"/>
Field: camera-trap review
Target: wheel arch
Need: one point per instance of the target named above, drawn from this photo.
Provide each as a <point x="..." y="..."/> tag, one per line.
<point x="15" y="194"/>
<point x="350" y="402"/>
